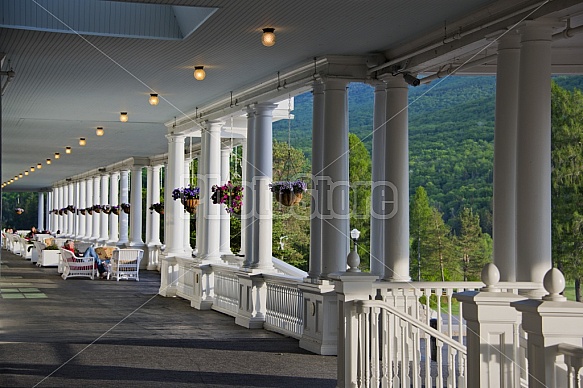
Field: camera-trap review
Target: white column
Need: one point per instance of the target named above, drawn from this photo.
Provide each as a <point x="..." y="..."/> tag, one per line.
<point x="136" y="207"/>
<point x="335" y="184"/>
<point x="315" y="265"/>
<point x="56" y="225"/>
<point x="64" y="203"/>
<point x="248" y="205"/>
<point x="50" y="218"/>
<point x="212" y="169"/>
<point x="96" y="201"/>
<point x="149" y="203"/>
<point x="113" y="201"/>
<point x="123" y="216"/>
<point x="225" y="238"/>
<point x="243" y="179"/>
<point x="76" y="214"/>
<point x="396" y="174"/>
<point x="89" y="203"/>
<point x="533" y="164"/>
<point x="174" y="212"/>
<point x="41" y="212"/>
<point x="377" y="236"/>
<point x="262" y="196"/>
<point x="71" y="215"/>
<point x="504" y="198"/>
<point x="186" y="229"/>
<point x="155" y="197"/>
<point x="82" y="218"/>
<point x="104" y="218"/>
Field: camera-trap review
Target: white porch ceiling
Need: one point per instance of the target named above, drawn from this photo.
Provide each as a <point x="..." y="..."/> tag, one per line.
<point x="67" y="84"/>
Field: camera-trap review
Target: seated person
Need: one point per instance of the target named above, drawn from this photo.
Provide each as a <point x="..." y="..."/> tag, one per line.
<point x="89" y="252"/>
<point x="30" y="235"/>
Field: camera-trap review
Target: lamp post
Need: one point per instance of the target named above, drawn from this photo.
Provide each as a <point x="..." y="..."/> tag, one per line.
<point x="353" y="258"/>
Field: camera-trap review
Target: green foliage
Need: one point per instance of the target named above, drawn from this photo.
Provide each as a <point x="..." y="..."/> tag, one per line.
<point x="291" y="225"/>
<point x="360" y="177"/>
<point x="419" y="227"/>
<point x="472" y="246"/>
<point x="567" y="182"/>
<point x="28" y="202"/>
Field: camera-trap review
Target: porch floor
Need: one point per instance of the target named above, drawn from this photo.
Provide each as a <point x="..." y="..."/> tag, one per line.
<point x="96" y="333"/>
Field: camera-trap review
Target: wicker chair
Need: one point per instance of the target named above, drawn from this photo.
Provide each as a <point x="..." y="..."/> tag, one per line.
<point x="125" y="264"/>
<point x="75" y="266"/>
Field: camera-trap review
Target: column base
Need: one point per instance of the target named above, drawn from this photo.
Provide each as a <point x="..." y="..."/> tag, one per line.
<point x="250" y="323"/>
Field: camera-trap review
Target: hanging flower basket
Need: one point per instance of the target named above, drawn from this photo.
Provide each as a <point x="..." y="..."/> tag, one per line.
<point x="62" y="211"/>
<point x="125" y="207"/>
<point x="157" y="207"/>
<point x="19" y="210"/>
<point x="230" y="195"/>
<point x="288" y="193"/>
<point x="189" y="197"/>
<point x="190" y="204"/>
<point x="115" y="210"/>
<point x="71" y="209"/>
<point x="97" y="208"/>
<point x="106" y="209"/>
<point x="82" y="211"/>
<point x="89" y="210"/>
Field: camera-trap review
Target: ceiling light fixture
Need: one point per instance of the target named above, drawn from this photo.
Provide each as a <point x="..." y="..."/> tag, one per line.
<point x="31" y="168"/>
<point x="199" y="73"/>
<point x="82" y="141"/>
<point x="123" y="117"/>
<point x="268" y="37"/>
<point x="57" y="155"/>
<point x="49" y="161"/>
<point x="20" y="175"/>
<point x="39" y="166"/>
<point x="15" y="177"/>
<point x="67" y="150"/>
<point x="99" y="131"/>
<point x="26" y="172"/>
<point x="153" y="99"/>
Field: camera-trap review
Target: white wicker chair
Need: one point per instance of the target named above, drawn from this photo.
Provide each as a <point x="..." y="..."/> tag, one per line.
<point x="125" y="264"/>
<point x="75" y="266"/>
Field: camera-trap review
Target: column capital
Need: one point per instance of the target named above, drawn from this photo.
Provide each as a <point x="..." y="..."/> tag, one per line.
<point x="509" y="41"/>
<point x="396" y="82"/>
<point x="335" y="84"/>
<point x="542" y="29"/>
<point x="175" y="138"/>
<point x="213" y="125"/>
<point x="265" y="108"/>
<point x="318" y="87"/>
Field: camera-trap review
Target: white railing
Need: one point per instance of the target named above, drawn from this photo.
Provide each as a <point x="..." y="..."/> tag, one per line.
<point x="284" y="306"/>
<point x="226" y="297"/>
<point x="573" y="358"/>
<point x="427" y="301"/>
<point x="394" y="349"/>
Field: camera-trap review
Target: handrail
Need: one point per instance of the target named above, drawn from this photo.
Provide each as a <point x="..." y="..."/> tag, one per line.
<point x="420" y="325"/>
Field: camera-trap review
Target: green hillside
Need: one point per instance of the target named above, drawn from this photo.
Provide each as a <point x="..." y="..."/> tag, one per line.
<point x="451" y="125"/>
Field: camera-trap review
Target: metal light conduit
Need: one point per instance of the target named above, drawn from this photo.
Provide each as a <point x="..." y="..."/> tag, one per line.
<point x="565" y="34"/>
<point x="456" y="36"/>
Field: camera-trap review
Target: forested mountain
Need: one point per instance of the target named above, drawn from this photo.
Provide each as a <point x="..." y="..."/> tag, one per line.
<point x="451" y="127"/>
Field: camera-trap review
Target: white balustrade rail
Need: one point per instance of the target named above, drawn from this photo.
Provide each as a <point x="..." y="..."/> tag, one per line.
<point x="285" y="306"/>
<point x="394" y="349"/>
<point x="573" y="358"/>
<point x="226" y="297"/>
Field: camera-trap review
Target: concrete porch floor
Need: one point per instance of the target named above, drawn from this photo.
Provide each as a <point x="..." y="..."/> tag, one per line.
<point x="98" y="333"/>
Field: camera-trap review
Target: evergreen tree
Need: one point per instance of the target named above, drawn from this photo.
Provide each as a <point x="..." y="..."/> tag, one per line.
<point x="471" y="245"/>
<point x="419" y="226"/>
<point x="567" y="183"/>
<point x="438" y="265"/>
